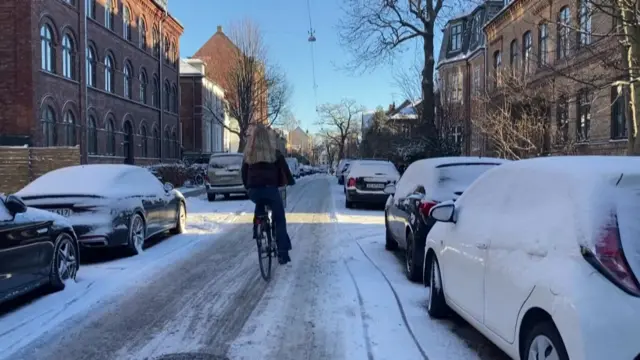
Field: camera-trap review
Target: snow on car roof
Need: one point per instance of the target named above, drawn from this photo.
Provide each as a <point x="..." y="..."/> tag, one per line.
<point x="94" y="179"/>
<point x="450" y="160"/>
<point x="582" y="165"/>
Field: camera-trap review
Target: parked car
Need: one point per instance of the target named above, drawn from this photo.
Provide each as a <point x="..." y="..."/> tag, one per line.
<point x="542" y="257"/>
<point x="294" y="166"/>
<point x="109" y="205"/>
<point x="343" y="165"/>
<point x="366" y="181"/>
<point x="36" y="248"/>
<point x="425" y="183"/>
<point x="225" y="176"/>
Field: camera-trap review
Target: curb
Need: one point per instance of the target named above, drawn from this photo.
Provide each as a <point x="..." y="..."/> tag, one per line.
<point x="193" y="192"/>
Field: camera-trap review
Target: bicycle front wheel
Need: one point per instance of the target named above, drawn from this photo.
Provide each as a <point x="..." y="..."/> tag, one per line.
<point x="265" y="252"/>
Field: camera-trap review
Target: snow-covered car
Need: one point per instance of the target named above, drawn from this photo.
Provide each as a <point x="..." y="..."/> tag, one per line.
<point x="109" y="205"/>
<point x="294" y="166"/>
<point x="225" y="176"/>
<point x="425" y="183"/>
<point x="542" y="257"/>
<point x="343" y="165"/>
<point x="366" y="180"/>
<point x="36" y="248"/>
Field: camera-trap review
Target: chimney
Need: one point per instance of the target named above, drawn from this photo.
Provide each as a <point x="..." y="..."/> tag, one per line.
<point x="219" y="29"/>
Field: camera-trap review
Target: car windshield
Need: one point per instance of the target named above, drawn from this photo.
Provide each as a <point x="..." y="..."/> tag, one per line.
<point x="385" y="168"/>
<point x="223" y="162"/>
<point x="460" y="176"/>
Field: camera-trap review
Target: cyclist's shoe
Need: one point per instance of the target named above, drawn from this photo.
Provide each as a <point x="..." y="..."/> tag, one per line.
<point x="283" y="258"/>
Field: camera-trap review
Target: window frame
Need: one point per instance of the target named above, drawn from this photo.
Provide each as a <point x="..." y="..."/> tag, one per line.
<point x="110" y="131"/>
<point x="527" y="50"/>
<point x="543" y="44"/>
<point x="618" y="112"/>
<point x="68" y="57"/>
<point x="47" y="49"/>
<point x="49" y="126"/>
<point x="127" y="85"/>
<point x="69" y="123"/>
<point x="109" y="74"/>
<point x="583" y="106"/>
<point x="92" y="135"/>
<point x="564" y="33"/>
<point x="455" y="37"/>
<point x="109" y="22"/>
<point x="513" y="56"/>
<point x="126" y="23"/>
<point x="585" y="21"/>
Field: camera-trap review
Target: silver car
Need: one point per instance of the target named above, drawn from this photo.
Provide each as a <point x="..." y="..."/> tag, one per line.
<point x="225" y="176"/>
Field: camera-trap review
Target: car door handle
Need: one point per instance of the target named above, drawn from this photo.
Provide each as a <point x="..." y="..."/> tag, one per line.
<point x="481" y="246"/>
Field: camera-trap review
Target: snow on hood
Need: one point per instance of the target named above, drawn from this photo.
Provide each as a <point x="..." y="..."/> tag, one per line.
<point x="96" y="179"/>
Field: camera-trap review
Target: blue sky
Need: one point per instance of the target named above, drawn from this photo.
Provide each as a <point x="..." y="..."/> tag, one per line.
<point x="285" y="33"/>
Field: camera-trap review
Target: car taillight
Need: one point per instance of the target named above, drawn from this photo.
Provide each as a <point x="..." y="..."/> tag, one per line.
<point x="351" y="182"/>
<point x="425" y="207"/>
<point x="608" y="257"/>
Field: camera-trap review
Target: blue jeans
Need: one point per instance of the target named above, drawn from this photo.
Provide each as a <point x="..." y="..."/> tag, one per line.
<point x="270" y="196"/>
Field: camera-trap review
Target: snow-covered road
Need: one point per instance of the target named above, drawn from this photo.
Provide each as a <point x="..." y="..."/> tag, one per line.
<point x="199" y="295"/>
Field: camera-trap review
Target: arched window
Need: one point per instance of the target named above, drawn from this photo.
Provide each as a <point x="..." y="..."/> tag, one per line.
<point x="564" y="29"/>
<point x="156" y="42"/>
<point x="543" y="44"/>
<point x="68" y="57"/>
<point x="143" y="86"/>
<point x="109" y="128"/>
<point x="156" y="142"/>
<point x="513" y="56"/>
<point x="167" y="144"/>
<point x="142" y="31"/>
<point x="128" y="83"/>
<point x="497" y="67"/>
<point x="174" y="96"/>
<point x="526" y="52"/>
<point x="69" y="122"/>
<point x="156" y="91"/>
<point x="49" y="126"/>
<point x="143" y="140"/>
<point x="47" y="49"/>
<point x="167" y="96"/>
<point x="92" y="136"/>
<point x="91" y="66"/>
<point x="91" y="9"/>
<point x="126" y="23"/>
<point x="109" y="74"/>
<point x="108" y="14"/>
<point x="167" y="50"/>
<point x="172" y="55"/>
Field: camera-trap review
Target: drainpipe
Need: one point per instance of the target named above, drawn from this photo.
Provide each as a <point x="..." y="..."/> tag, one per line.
<point x="484" y="83"/>
<point x="84" y="134"/>
<point x="165" y="14"/>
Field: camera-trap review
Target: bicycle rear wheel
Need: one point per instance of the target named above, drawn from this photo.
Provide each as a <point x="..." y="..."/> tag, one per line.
<point x="265" y="252"/>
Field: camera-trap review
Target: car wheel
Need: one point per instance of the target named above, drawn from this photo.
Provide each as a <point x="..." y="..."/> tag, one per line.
<point x="390" y="244"/>
<point x="413" y="259"/>
<point x="137" y="234"/>
<point x="211" y="197"/>
<point x="436" y="304"/>
<point x="348" y="204"/>
<point x="65" y="264"/>
<point x="544" y="342"/>
<point x="181" y="223"/>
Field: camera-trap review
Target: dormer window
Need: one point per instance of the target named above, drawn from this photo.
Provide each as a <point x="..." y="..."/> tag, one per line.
<point x="475" y="28"/>
<point x="456" y="37"/>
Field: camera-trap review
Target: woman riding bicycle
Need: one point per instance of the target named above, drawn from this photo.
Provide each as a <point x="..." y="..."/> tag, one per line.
<point x="264" y="170"/>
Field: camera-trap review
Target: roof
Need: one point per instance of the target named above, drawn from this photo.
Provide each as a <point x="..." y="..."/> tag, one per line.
<point x="187" y="69"/>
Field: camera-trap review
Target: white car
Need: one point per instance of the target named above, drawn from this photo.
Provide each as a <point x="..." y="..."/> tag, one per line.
<point x="542" y="257"/>
<point x="365" y="181"/>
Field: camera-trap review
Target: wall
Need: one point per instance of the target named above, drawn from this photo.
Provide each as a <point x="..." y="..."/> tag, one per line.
<point x="20" y="165"/>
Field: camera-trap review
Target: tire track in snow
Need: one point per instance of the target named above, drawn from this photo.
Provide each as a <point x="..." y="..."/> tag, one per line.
<point x="363" y="315"/>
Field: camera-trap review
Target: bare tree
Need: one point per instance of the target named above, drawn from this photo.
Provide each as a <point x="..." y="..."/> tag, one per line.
<point x="380" y="137"/>
<point x="340" y="122"/>
<point x="256" y="90"/>
<point x="375" y="30"/>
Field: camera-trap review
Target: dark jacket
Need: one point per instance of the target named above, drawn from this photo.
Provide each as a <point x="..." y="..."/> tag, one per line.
<point x="265" y="174"/>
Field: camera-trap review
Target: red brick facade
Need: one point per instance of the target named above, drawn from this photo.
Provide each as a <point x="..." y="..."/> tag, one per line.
<point x="31" y="88"/>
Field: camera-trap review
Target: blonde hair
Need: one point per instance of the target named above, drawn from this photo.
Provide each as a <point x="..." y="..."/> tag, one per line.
<point x="261" y="146"/>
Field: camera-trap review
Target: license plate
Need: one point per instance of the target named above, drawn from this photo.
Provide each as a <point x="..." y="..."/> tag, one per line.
<point x="375" y="186"/>
<point x="63" y="212"/>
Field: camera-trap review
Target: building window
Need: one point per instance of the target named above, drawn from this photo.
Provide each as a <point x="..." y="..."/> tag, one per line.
<point x="167" y="50"/>
<point x="543" y="45"/>
<point x="562" y="120"/>
<point x="128" y="83"/>
<point x="564" y="28"/>
<point x="476" y="80"/>
<point x="126" y="23"/>
<point x="513" y="57"/>
<point x="91" y="9"/>
<point x="92" y="136"/>
<point x="167" y="96"/>
<point x="49" y="126"/>
<point x="69" y="122"/>
<point x="174" y="95"/>
<point x="456" y="37"/>
<point x="91" y="67"/>
<point x="497" y="67"/>
<point x="156" y="92"/>
<point x="111" y="137"/>
<point x="475" y="28"/>
<point x="109" y="74"/>
<point x="47" y="49"/>
<point x="156" y="142"/>
<point x="143" y="86"/>
<point x="584" y="20"/>
<point x="143" y="140"/>
<point x="618" y="114"/>
<point x="455" y="91"/>
<point x="156" y="42"/>
<point x="526" y="52"/>
<point x="142" y="26"/>
<point x="583" y="125"/>
<point x="108" y="14"/>
<point x="68" y="57"/>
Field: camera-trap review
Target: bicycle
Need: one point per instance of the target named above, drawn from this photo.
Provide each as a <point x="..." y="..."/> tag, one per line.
<point x="265" y="238"/>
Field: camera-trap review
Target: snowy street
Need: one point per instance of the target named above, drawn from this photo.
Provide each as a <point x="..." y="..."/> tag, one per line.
<point x="199" y="295"/>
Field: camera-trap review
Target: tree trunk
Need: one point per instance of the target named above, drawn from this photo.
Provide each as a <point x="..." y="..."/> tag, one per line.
<point x="428" y="113"/>
<point x="242" y="142"/>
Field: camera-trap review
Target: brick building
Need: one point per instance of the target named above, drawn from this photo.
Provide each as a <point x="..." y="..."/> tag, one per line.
<point x="202" y="111"/>
<point x="101" y="74"/>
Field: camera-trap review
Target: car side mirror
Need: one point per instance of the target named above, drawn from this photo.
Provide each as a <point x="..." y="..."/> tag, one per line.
<point x="443" y="212"/>
<point x="168" y="187"/>
<point x="15" y="205"/>
<point x="390" y="189"/>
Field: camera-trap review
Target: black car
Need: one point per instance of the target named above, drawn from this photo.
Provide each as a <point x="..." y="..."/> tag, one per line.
<point x="36" y="248"/>
<point x="109" y="205"/>
<point x="424" y="184"/>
